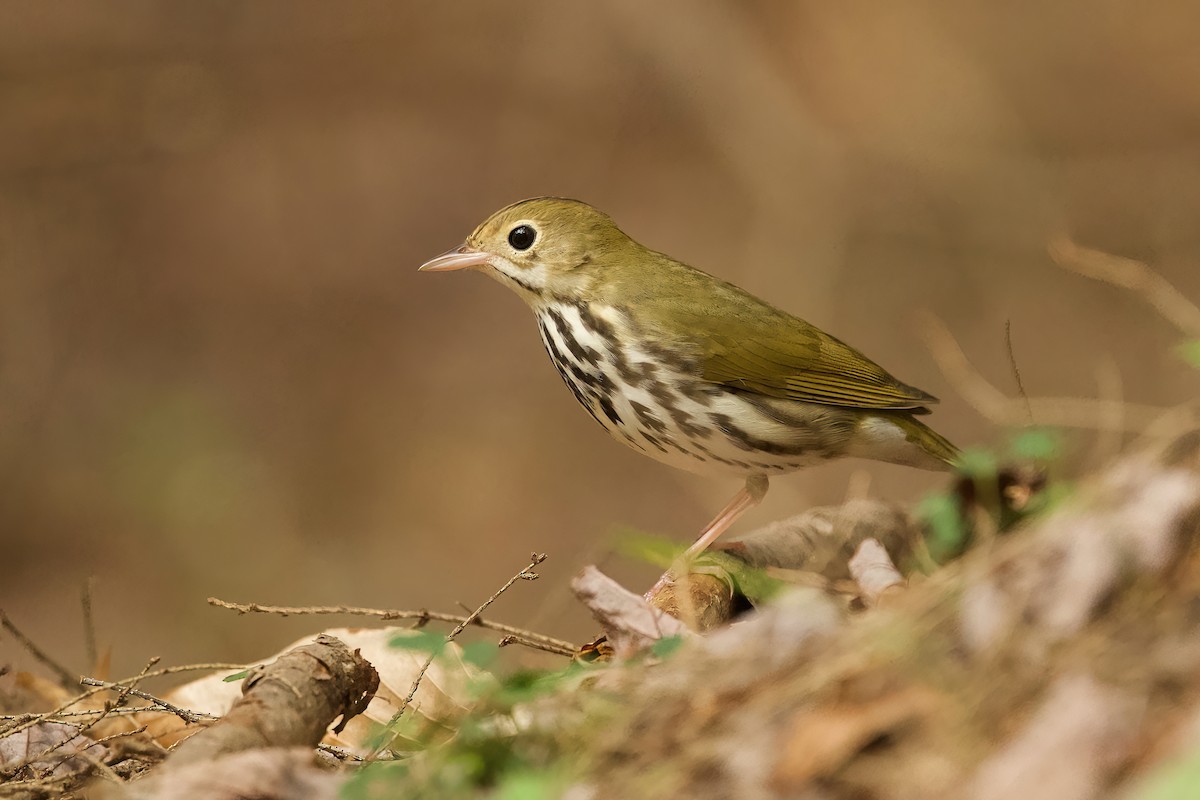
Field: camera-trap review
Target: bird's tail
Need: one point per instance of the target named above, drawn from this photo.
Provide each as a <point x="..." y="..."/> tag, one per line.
<point x="901" y="438"/>
<point x="929" y="440"/>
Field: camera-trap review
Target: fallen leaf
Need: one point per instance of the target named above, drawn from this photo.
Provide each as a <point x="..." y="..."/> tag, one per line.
<point x="24" y="753"/>
<point x="823" y="739"/>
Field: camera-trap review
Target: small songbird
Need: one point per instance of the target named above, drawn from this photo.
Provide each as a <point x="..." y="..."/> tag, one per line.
<point x="686" y="368"/>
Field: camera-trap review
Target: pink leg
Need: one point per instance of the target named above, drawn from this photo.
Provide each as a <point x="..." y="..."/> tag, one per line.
<point x="747" y="497"/>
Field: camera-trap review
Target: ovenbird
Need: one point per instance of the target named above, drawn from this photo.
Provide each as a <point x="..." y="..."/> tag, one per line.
<point x="686" y="368"/>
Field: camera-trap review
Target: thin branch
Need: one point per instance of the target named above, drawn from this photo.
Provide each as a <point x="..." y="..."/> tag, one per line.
<point x="1136" y="276"/>
<point x="67" y="716"/>
<point x="1012" y="364"/>
<point x="208" y="667"/>
<point x="65" y="677"/>
<point x="341" y="754"/>
<point x="995" y="406"/>
<point x="569" y="651"/>
<point x="194" y="717"/>
<point x="526" y="573"/>
<point x="108" y="707"/>
<point x="24" y="721"/>
<point x="89" y="623"/>
<point x="422" y="616"/>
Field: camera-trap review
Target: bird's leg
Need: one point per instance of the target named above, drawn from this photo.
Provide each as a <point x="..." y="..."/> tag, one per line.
<point x="747" y="497"/>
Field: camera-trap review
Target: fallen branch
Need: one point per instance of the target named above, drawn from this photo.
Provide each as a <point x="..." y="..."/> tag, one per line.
<point x="287" y="703"/>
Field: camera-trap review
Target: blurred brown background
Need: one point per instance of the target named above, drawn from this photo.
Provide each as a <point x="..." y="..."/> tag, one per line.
<point x="220" y="373"/>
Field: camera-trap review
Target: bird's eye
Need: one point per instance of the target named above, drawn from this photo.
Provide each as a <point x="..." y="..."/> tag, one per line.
<point x="522" y="236"/>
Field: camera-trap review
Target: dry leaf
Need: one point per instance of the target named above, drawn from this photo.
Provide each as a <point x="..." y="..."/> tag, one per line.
<point x="823" y="739"/>
<point x="25" y="692"/>
<point x="276" y="773"/>
<point x="873" y="570"/>
<point x="24" y="752"/>
<point x="630" y="623"/>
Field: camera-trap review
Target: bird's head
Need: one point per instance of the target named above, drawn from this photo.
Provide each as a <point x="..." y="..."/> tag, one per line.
<point x="540" y="247"/>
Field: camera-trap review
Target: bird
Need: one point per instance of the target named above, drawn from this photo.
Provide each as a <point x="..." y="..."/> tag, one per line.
<point x="687" y="368"/>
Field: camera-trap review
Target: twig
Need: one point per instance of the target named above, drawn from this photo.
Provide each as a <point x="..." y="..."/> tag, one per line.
<point x="122" y="696"/>
<point x="89" y="623"/>
<point x="65" y="676"/>
<point x="208" y="667"/>
<point x="1136" y="276"/>
<point x="341" y="754"/>
<point x="994" y="405"/>
<point x="108" y="706"/>
<point x="24" y="721"/>
<point x="40" y="782"/>
<point x="1012" y="364"/>
<point x="526" y="573"/>
<point x="569" y="651"/>
<point x="549" y="643"/>
<point x="121" y="734"/>
<point x="99" y="766"/>
<point x="66" y="716"/>
<point x="194" y="717"/>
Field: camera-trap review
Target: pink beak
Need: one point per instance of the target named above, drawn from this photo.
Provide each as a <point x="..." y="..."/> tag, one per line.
<point x="459" y="258"/>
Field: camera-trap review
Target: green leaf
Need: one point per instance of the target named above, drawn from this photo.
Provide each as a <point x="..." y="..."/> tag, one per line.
<point x="526" y="785"/>
<point x="421" y="641"/>
<point x="948" y="533"/>
<point x="1189" y="351"/>
<point x="656" y="550"/>
<point x="1175" y="781"/>
<point x="750" y="582"/>
<point x="374" y="780"/>
<point x="237" y="676"/>
<point x="665" y="646"/>
<point x="977" y="463"/>
<point x="480" y="654"/>
<point x="1036" y="444"/>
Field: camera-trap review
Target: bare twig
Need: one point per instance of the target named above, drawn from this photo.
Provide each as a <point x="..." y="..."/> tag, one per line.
<point x="548" y="643"/>
<point x="568" y="650"/>
<point x="341" y="754"/>
<point x="66" y="716"/>
<point x="1136" y="276"/>
<point x="108" y="707"/>
<point x="193" y="717"/>
<point x="65" y="677"/>
<point x="89" y="623"/>
<point x="1012" y="364"/>
<point x="207" y="667"/>
<point x="994" y="405"/>
<point x="526" y="573"/>
<point x="99" y="766"/>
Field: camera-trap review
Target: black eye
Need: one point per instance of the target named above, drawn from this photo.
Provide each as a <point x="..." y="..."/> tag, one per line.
<point x="521" y="237"/>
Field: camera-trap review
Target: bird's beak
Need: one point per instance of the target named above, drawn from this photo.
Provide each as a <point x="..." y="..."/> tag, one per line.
<point x="459" y="258"/>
